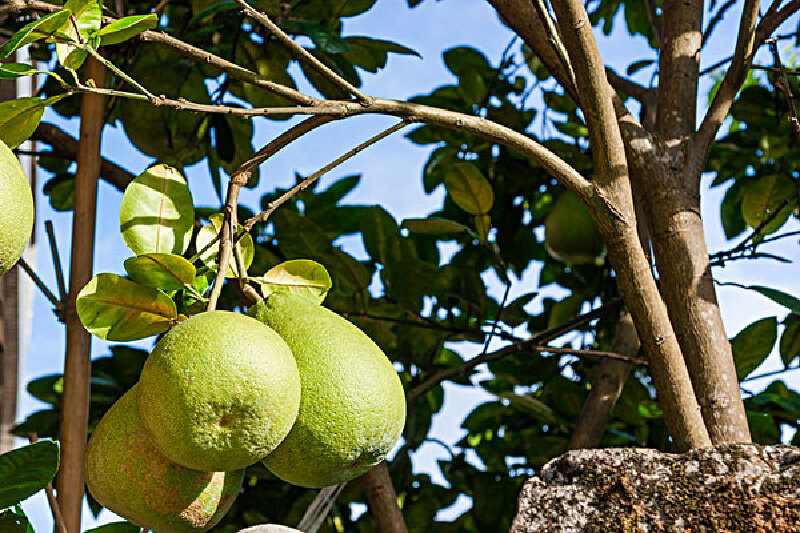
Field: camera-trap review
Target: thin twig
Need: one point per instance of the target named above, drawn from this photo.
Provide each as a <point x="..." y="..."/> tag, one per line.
<point x="770" y="373"/>
<point x="301" y="52"/>
<point x="785" y="88"/>
<point x="39" y="283"/>
<point x="55" y="509"/>
<point x="275" y="204"/>
<point x="532" y="344"/>
<point x="716" y="19"/>
<point x="51" y="237"/>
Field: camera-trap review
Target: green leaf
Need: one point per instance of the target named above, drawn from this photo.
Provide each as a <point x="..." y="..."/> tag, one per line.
<point x="298" y="276"/>
<point x="117" y="309"/>
<point x="10" y="71"/>
<point x="162" y="271"/>
<point x="780" y="297"/>
<point x="27" y="470"/>
<point x="636" y="66"/>
<point x="157" y="215"/>
<point x="790" y="340"/>
<point x="38" y="29"/>
<point x="483" y="224"/>
<point x="434" y="226"/>
<point x="13" y="520"/>
<point x="125" y="28"/>
<point x="323" y="39"/>
<point x="469" y="189"/>
<point x="115" y="527"/>
<point x="372" y="54"/>
<point x="208" y="233"/>
<point x="19" y="117"/>
<point x="753" y="344"/>
<point x="762" y="197"/>
<point x="87" y="14"/>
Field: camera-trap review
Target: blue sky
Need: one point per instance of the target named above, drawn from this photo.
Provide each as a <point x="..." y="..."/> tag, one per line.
<point x="391" y="177"/>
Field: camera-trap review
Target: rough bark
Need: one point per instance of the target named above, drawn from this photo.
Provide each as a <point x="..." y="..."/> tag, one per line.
<point x="606" y="388"/>
<point x="382" y="500"/>
<point x="732" y="488"/>
<point x="75" y="403"/>
<point x="613" y="211"/>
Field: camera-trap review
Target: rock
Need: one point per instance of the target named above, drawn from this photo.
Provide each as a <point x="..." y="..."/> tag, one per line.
<point x="731" y="489"/>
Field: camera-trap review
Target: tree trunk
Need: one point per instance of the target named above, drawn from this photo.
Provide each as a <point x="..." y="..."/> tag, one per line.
<point x="382" y="500"/>
<point x="75" y="407"/>
<point x="606" y="388"/>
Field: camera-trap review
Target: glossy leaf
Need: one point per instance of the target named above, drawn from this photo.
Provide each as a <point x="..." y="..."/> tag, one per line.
<point x="208" y="233"/>
<point x="41" y="28"/>
<point x="86" y="15"/>
<point x="762" y="197"/>
<point x="18" y="118"/>
<point x="298" y="276"/>
<point x="14" y="520"/>
<point x="126" y="28"/>
<point x="10" y="71"/>
<point x="163" y="271"/>
<point x="157" y="215"/>
<point x="779" y="297"/>
<point x="117" y="309"/>
<point x="753" y="344"/>
<point x="469" y="189"/>
<point x="27" y="470"/>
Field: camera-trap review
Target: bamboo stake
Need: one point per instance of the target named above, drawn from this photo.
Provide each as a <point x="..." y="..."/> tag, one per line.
<point x="74" y="413"/>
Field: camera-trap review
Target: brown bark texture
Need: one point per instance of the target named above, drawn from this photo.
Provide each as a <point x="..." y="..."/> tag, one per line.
<point x="606" y="388"/>
<point x="75" y="406"/>
<point x="9" y="328"/>
<point x="382" y="500"/>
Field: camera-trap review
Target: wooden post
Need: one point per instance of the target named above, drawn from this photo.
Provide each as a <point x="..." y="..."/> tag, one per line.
<point x="74" y="413"/>
<point x="9" y="330"/>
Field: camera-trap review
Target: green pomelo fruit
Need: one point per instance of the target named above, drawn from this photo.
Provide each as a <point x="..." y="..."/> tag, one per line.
<point x="219" y="391"/>
<point x="126" y="474"/>
<point x="269" y="528"/>
<point x="352" y="408"/>
<point x="171" y="136"/>
<point x="570" y="234"/>
<point x="16" y="209"/>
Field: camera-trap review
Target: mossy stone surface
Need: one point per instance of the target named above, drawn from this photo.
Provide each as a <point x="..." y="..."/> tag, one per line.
<point x="352" y="409"/>
<point x="126" y="474"/>
<point x="16" y="209"/>
<point x="219" y="391"/>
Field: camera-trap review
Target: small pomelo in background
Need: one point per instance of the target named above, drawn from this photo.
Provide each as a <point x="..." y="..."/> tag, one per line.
<point x="126" y="474"/>
<point x="570" y="234"/>
<point x="16" y="209"/>
<point x="219" y="391"/>
<point x="352" y="408"/>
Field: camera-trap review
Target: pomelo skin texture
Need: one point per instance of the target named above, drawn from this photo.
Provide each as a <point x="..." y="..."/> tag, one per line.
<point x="352" y="409"/>
<point x="219" y="391"/>
<point x="16" y="209"/>
<point x="570" y="234"/>
<point x="125" y="473"/>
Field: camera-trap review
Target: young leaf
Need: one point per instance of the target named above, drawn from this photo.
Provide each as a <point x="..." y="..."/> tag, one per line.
<point x="162" y="271"/>
<point x="86" y="14"/>
<point x="10" y="71"/>
<point x="19" y="117"/>
<point x="209" y="257"/>
<point x="27" y="470"/>
<point x="117" y="309"/>
<point x="469" y="189"/>
<point x="125" y="28"/>
<point x="38" y="29"/>
<point x="157" y="215"/>
<point x="753" y="344"/>
<point x="299" y="276"/>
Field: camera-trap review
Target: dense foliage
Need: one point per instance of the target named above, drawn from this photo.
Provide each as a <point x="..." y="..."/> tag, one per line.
<point x="424" y="300"/>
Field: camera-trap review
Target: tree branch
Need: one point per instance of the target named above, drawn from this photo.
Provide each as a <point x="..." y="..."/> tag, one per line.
<point x="65" y="145"/>
<point x="301" y="52"/>
<point x="746" y="44"/>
